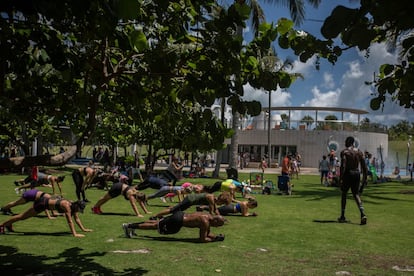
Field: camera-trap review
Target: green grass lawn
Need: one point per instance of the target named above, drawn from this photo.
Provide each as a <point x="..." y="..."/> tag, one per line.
<point x="293" y="235"/>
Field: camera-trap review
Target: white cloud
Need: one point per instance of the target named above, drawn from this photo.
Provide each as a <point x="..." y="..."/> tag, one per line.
<point x="352" y="90"/>
<point x="341" y="85"/>
<point x="328" y="79"/>
<point x="306" y="69"/>
<point x="326" y="99"/>
<point x="279" y="97"/>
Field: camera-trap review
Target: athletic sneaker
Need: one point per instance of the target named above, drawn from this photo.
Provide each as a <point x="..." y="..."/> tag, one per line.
<point x="132" y="232"/>
<point x="96" y="210"/>
<point x="16" y="183"/>
<point x="126" y="230"/>
<point x="17" y="191"/>
<point x="364" y="220"/>
<point x="342" y="220"/>
<point x="163" y="199"/>
<point x="6" y="211"/>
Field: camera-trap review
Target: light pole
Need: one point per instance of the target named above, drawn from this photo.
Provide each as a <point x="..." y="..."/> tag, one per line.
<point x="408" y="154"/>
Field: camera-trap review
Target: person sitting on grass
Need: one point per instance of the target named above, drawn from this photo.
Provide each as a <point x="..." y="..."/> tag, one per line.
<point x="28" y="196"/>
<point x="196" y="199"/>
<point x="173" y="223"/>
<point x="241" y="207"/>
<point x="129" y="193"/>
<point x="68" y="208"/>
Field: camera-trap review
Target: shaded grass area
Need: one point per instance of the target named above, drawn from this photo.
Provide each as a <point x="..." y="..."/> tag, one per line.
<point x="293" y="235"/>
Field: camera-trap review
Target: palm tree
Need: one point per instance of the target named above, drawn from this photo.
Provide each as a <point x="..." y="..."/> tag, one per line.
<point x="296" y="8"/>
<point x="297" y="12"/>
<point x="308" y="120"/>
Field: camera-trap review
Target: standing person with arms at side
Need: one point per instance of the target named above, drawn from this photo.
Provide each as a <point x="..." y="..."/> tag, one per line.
<point x="286" y="165"/>
<point x="352" y="161"/>
<point x="324" y="170"/>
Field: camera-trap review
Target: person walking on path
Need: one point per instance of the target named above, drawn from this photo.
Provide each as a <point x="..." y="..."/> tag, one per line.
<point x="352" y="163"/>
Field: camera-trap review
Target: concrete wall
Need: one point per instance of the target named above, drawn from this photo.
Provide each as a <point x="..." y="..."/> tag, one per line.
<point x="312" y="144"/>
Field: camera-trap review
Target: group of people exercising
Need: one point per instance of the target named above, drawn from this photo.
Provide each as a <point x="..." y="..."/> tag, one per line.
<point x="188" y="195"/>
<point x="172" y="219"/>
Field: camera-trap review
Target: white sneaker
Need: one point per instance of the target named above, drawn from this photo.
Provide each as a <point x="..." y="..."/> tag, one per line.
<point x="126" y="230"/>
<point x="163" y="199"/>
<point x="17" y="191"/>
<point x="132" y="232"/>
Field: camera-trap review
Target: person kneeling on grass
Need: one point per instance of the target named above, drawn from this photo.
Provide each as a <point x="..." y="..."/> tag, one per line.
<point x="173" y="223"/>
<point x="68" y="208"/>
<point x="129" y="193"/>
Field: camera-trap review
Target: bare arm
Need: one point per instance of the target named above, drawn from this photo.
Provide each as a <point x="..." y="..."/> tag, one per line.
<point x="205" y="235"/>
<point x="68" y="216"/>
<point x="48" y="214"/>
<point x="245" y="209"/>
<point x="212" y="205"/>
<point x="363" y="167"/>
<point x="79" y="223"/>
<point x="133" y="201"/>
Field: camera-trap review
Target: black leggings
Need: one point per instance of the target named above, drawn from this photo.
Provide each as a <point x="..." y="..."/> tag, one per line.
<point x="78" y="179"/>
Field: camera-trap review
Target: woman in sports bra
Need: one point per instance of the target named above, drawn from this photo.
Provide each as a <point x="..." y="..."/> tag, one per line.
<point x="44" y="180"/>
<point x="30" y="195"/>
<point x="68" y="208"/>
<point x="240" y="207"/>
<point x="129" y="193"/>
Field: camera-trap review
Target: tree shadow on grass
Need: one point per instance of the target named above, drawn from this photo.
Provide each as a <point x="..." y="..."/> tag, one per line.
<point x="172" y="239"/>
<point x="372" y="193"/>
<point x="335" y="221"/>
<point x="162" y="205"/>
<point x="69" y="262"/>
<point x="117" y="214"/>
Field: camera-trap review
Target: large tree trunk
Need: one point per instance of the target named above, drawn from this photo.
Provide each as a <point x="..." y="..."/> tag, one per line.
<point x="40" y="160"/>
<point x="234" y="146"/>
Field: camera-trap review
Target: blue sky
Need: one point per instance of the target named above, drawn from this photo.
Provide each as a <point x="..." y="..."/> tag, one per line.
<point x="339" y="85"/>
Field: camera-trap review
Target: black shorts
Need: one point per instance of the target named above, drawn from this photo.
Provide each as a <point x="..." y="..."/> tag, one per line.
<point x="227" y="209"/>
<point x="171" y="224"/>
<point x="116" y="189"/>
<point x="351" y="180"/>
